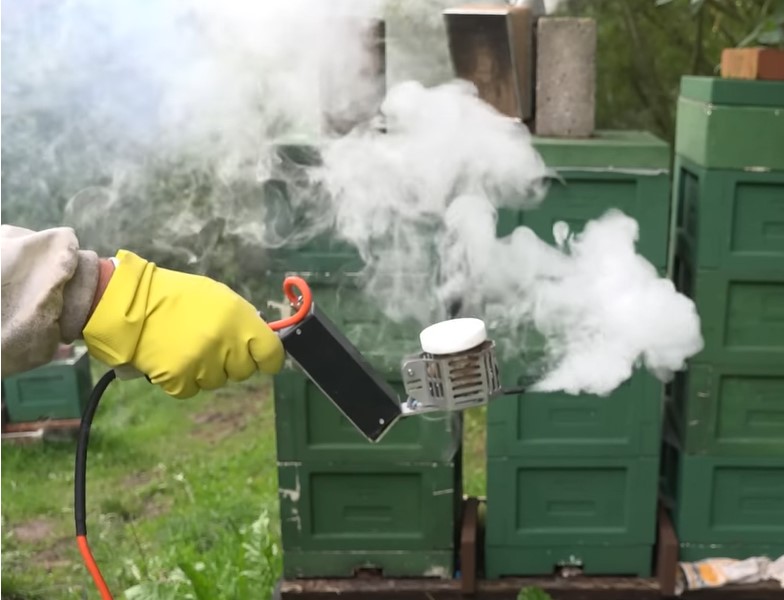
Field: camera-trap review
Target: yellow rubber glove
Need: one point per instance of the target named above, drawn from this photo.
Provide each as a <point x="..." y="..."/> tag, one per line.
<point x="185" y="332"/>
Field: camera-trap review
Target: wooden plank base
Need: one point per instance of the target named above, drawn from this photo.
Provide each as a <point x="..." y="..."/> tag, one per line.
<point x="587" y="588"/>
<point x="37" y="431"/>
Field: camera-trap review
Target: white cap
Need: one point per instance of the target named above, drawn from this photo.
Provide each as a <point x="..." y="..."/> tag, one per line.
<point x="455" y="335"/>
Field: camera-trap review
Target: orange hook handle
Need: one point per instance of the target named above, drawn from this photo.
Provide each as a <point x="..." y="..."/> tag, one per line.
<point x="304" y="302"/>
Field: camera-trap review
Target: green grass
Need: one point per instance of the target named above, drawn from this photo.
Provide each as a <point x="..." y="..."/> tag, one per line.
<point x="181" y="498"/>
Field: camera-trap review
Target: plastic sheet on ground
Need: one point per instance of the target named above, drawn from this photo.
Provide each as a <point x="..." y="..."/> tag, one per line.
<point x="718" y="572"/>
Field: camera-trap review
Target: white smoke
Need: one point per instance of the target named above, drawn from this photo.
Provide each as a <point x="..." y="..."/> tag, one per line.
<point x="112" y="94"/>
<point x="434" y="184"/>
<point x="391" y="191"/>
<point x="601" y="308"/>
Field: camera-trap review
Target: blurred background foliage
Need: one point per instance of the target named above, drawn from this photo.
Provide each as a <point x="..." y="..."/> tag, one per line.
<point x="645" y="46"/>
<point x="179" y="206"/>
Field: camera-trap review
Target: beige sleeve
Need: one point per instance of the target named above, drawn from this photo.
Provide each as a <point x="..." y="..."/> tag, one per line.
<point x="48" y="286"/>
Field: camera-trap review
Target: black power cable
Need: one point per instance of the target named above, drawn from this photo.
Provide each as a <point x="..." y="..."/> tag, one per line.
<point x="80" y="486"/>
<point x="303" y="304"/>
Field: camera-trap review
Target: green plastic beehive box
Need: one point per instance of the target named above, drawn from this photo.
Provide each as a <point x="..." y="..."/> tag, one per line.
<point x="729" y="219"/>
<point x="606" y="150"/>
<point x="731" y="124"/>
<point x="57" y="390"/>
<point x="741" y="313"/>
<point x="627" y="423"/>
<point x="399" y="518"/>
<point x="287" y="186"/>
<point x="735" y="410"/>
<point x="310" y="428"/>
<point x="304" y="564"/>
<point x="628" y="171"/>
<point x="557" y="501"/>
<point x="322" y="254"/>
<point x="591" y="559"/>
<point x="325" y="253"/>
<point x="620" y="169"/>
<point x="726" y="500"/>
<point x="555" y="508"/>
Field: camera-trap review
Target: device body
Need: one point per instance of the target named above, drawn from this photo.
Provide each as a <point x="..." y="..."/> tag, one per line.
<point x="340" y="371"/>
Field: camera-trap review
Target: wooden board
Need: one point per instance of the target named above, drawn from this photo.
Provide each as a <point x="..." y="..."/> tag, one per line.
<point x="37" y="431"/>
<point x="508" y="589"/>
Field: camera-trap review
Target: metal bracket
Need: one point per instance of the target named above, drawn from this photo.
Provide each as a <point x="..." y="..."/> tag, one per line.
<point x="452" y="382"/>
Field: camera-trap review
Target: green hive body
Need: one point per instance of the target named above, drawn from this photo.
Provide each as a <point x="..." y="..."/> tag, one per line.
<point x="628" y="171"/>
<point x="290" y="179"/>
<point x="57" y="390"/>
<point x="727" y="124"/>
<point x="347" y="504"/>
<point x="571" y="480"/>
<point x="723" y="454"/>
<point x="399" y="517"/>
<point x="542" y="513"/>
<point x="575" y="480"/>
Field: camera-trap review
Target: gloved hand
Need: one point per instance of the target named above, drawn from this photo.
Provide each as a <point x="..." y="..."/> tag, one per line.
<point x="185" y="332"/>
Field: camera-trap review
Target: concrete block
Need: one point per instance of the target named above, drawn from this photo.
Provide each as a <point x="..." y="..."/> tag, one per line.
<point x="493" y="48"/>
<point x="565" y="77"/>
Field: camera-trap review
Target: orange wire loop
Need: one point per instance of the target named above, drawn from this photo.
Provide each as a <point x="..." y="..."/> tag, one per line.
<point x="303" y="302"/>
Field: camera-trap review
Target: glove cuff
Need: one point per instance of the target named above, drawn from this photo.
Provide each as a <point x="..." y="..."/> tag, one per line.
<point x="113" y="331"/>
<point x="78" y="296"/>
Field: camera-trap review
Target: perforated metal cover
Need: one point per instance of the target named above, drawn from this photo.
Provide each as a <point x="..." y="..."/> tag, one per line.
<point x="451" y="382"/>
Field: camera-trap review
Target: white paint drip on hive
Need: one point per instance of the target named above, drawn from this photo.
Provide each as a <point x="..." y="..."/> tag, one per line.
<point x="295" y="518"/>
<point x="294" y="494"/>
<point x="436" y="571"/>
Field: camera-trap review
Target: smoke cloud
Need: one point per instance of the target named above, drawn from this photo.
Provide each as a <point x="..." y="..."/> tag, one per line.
<point x="194" y="132"/>
<point x="598" y="308"/>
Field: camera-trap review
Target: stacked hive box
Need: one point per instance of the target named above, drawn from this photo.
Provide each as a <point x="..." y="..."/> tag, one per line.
<point x="57" y="390"/>
<point x="723" y="467"/>
<point x="572" y="480"/>
<point x="348" y="504"/>
<point x="290" y="184"/>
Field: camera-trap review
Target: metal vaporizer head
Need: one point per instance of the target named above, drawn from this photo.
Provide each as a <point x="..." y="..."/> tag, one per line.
<point x="456" y="370"/>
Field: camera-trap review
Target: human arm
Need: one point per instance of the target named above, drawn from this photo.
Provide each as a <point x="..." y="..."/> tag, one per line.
<point x="50" y="287"/>
<point x="184" y="332"/>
